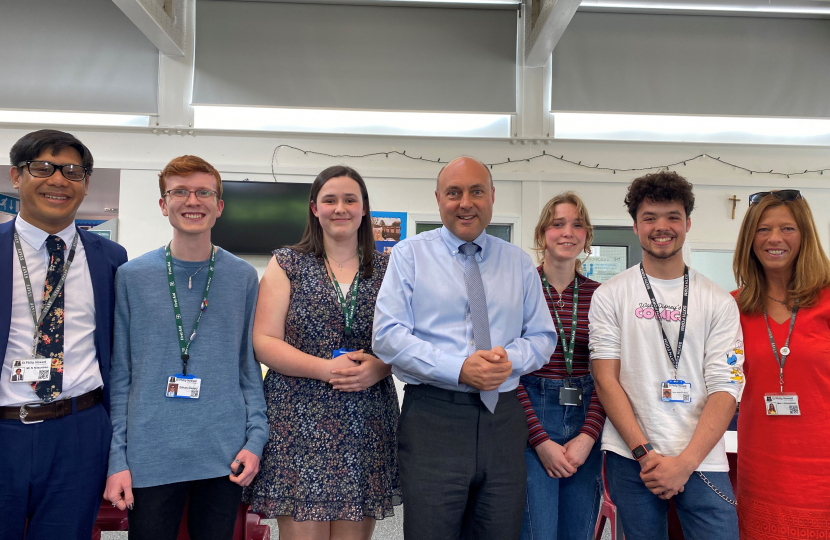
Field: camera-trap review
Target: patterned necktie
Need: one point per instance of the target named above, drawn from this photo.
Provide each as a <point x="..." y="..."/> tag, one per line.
<point x="51" y="329"/>
<point x="478" y="311"/>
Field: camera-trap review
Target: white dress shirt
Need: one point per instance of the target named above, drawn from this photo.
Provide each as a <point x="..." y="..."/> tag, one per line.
<point x="80" y="362"/>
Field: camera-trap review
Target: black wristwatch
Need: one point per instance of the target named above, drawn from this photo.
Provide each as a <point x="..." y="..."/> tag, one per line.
<point x="639" y="452"/>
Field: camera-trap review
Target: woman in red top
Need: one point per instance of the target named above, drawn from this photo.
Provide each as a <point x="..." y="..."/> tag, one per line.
<point x="564" y="463"/>
<point x="784" y="423"/>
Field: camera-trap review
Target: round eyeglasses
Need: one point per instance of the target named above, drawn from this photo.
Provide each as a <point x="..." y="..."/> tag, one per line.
<point x="45" y="169"/>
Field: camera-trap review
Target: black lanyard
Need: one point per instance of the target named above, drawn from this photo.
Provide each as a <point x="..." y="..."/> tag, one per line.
<point x="29" y="293"/>
<point x="171" y="281"/>
<point x="785" y="350"/>
<point x="675" y="360"/>
<point x="348" y="309"/>
<point x="567" y="349"/>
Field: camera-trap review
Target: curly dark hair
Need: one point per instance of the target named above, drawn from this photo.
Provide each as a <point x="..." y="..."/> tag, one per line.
<point x="663" y="186"/>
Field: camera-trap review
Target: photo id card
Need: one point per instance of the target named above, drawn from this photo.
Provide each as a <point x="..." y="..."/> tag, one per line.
<point x="676" y="391"/>
<point x="31" y="370"/>
<point x="182" y="386"/>
<point x="781" y="404"/>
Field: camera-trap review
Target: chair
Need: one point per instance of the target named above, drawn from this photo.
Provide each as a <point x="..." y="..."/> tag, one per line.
<point x="607" y="512"/>
<point x="248" y="526"/>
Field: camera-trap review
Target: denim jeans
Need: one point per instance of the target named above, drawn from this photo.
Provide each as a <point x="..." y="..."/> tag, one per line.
<point x="703" y="514"/>
<point x="575" y="499"/>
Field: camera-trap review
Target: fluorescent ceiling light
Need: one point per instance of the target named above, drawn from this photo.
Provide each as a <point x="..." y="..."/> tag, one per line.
<point x="776" y="7"/>
<point x="356" y="122"/>
<point x="709" y="129"/>
<point x="73" y="119"/>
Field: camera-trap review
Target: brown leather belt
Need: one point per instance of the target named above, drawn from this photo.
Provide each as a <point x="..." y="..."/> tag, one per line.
<point x="31" y="413"/>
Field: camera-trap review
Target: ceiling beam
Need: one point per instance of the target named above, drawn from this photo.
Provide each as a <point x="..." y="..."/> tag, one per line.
<point x="162" y="21"/>
<point x="544" y="27"/>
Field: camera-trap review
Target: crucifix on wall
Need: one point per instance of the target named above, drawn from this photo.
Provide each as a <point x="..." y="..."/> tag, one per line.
<point x="735" y="200"/>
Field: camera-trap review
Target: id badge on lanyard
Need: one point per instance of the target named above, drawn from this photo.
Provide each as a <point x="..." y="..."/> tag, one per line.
<point x="31" y="370"/>
<point x="568" y="395"/>
<point x="781" y="403"/>
<point x="182" y="385"/>
<point x="673" y="390"/>
<point x="37" y="368"/>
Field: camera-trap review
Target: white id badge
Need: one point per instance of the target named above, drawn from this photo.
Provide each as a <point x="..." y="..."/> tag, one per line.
<point x="781" y="404"/>
<point x="31" y="370"/>
<point x="676" y="391"/>
<point x="183" y="386"/>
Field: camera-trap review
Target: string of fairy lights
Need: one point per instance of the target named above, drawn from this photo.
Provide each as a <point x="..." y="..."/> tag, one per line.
<point x="546" y="155"/>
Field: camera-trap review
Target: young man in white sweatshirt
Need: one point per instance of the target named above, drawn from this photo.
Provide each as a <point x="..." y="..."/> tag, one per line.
<point x="665" y="346"/>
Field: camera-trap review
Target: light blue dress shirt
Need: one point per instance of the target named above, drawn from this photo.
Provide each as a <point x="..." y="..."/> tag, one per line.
<point x="423" y="327"/>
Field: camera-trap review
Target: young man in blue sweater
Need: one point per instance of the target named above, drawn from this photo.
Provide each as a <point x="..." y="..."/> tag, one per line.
<point x="188" y="411"/>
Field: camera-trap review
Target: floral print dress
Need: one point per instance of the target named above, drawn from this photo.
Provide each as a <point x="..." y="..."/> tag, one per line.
<point x="331" y="455"/>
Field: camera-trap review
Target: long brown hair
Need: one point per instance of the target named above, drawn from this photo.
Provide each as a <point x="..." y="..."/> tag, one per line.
<point x="546" y="220"/>
<point x="811" y="272"/>
<point x="312" y="240"/>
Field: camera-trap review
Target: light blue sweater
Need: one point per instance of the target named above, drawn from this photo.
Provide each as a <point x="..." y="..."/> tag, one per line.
<point x="163" y="440"/>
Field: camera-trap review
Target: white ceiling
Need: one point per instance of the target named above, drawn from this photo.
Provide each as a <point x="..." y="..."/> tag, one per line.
<point x="104" y="188"/>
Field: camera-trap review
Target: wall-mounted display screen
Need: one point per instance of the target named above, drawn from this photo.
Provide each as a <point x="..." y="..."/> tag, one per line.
<point x="261" y="216"/>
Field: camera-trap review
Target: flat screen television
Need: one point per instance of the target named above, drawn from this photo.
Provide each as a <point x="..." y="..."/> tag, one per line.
<point x="261" y="216"/>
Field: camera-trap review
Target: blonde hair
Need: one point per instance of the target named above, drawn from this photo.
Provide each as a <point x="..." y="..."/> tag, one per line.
<point x="811" y="272"/>
<point x="546" y="220"/>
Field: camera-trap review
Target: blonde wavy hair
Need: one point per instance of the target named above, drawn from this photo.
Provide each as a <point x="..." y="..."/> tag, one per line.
<point x="811" y="272"/>
<point x="546" y="220"/>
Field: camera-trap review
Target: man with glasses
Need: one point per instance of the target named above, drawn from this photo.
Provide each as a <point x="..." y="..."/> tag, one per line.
<point x="188" y="410"/>
<point x="56" y="317"/>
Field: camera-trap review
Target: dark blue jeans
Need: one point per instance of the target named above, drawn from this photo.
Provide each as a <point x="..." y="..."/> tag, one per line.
<point x="561" y="508"/>
<point x="703" y="514"/>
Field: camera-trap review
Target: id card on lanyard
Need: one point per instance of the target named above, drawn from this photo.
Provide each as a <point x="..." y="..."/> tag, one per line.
<point x="567" y="394"/>
<point x="182" y="385"/>
<point x="782" y="403"/>
<point x="674" y="390"/>
<point x="350" y="308"/>
<point x="35" y="368"/>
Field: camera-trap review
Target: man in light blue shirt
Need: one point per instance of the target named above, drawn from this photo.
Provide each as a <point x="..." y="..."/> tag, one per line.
<point x="460" y="317"/>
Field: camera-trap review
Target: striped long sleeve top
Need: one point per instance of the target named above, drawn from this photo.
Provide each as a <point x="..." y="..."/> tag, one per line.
<point x="555" y="368"/>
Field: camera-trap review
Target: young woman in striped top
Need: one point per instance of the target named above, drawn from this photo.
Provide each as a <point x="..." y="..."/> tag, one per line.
<point x="564" y="416"/>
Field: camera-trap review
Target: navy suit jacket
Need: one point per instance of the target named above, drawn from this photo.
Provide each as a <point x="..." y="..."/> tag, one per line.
<point x="103" y="258"/>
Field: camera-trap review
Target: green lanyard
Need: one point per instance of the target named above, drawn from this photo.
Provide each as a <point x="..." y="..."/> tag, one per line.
<point x="185" y="345"/>
<point x="567" y="349"/>
<point x="348" y="310"/>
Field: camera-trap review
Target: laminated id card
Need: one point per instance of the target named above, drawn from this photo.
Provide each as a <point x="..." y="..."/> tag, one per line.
<point x="570" y="396"/>
<point x="183" y="386"/>
<point x="31" y="370"/>
<point x="781" y="404"/>
<point x="676" y="391"/>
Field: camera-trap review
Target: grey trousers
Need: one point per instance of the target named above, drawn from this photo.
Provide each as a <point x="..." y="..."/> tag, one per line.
<point x="462" y="468"/>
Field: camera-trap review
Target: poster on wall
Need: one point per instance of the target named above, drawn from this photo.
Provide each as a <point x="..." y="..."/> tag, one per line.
<point x="605" y="262"/>
<point x="389" y="228"/>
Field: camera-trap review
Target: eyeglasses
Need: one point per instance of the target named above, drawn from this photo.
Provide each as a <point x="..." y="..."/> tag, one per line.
<point x="45" y="169"/>
<point x="184" y="194"/>
<point x="783" y="195"/>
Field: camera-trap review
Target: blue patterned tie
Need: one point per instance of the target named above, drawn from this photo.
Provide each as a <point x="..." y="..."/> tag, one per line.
<point x="478" y="311"/>
<point x="51" y="329"/>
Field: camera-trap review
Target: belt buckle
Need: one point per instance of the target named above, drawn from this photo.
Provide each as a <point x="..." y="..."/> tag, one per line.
<point x="24" y="413"/>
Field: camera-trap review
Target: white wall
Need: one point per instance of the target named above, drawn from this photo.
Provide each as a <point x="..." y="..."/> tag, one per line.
<point x="399" y="184"/>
